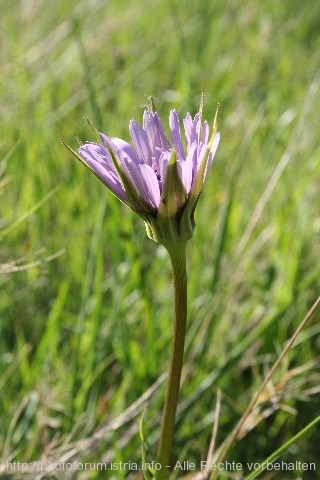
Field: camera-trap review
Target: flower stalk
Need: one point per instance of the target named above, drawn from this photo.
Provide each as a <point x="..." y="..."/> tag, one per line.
<point x="177" y="254"/>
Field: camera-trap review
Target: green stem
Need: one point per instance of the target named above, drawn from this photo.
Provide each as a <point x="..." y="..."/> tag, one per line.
<point x="178" y="260"/>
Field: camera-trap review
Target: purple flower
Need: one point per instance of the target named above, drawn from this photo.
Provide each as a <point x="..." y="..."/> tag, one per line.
<point x="158" y="179"/>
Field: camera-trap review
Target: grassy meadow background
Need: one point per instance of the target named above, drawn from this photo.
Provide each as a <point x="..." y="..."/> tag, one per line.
<point x="86" y="297"/>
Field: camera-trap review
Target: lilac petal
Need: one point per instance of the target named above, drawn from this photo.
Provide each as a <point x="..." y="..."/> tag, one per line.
<point x="152" y="184"/>
<point x="140" y="141"/>
<point x="186" y="167"/>
<point x="104" y="139"/>
<point x="197" y="127"/>
<point x="99" y="160"/>
<point x="192" y="128"/>
<point x="205" y="132"/>
<point x="175" y="133"/>
<point x="125" y="150"/>
<point x="155" y="133"/>
<point x="108" y="143"/>
<point x="163" y="165"/>
<point x="187" y="122"/>
<point x="133" y="172"/>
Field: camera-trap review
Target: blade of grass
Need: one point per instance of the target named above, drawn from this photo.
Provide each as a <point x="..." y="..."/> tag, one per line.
<point x="276" y="454"/>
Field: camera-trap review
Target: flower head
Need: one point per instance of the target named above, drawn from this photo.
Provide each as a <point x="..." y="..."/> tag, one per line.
<point x="160" y="180"/>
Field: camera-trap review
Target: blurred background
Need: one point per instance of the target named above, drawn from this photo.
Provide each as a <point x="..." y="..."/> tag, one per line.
<point x="86" y="297"/>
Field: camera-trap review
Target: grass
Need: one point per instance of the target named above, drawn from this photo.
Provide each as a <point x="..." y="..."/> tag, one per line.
<point x="85" y="296"/>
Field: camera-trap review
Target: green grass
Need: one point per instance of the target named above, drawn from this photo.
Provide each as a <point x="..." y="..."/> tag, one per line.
<point x="86" y="297"/>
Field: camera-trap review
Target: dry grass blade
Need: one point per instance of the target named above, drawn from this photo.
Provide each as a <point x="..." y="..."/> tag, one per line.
<point x="231" y="440"/>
